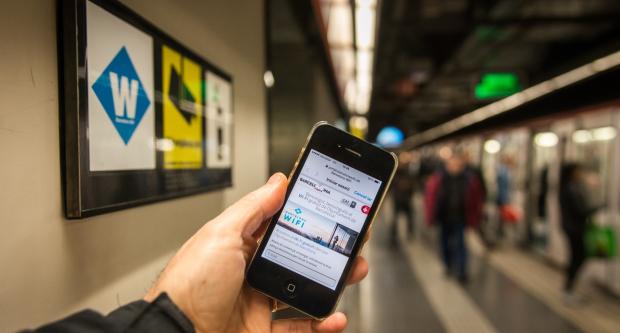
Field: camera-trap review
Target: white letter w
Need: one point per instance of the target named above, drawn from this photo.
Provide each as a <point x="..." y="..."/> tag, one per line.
<point x="124" y="96"/>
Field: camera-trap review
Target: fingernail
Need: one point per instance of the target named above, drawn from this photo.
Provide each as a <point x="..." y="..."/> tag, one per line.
<point x="275" y="178"/>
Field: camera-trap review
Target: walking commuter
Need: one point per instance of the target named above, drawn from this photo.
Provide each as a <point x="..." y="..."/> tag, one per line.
<point x="575" y="211"/>
<point x="541" y="201"/>
<point x="427" y="167"/>
<point x="476" y="172"/>
<point x="503" y="196"/>
<point x="504" y="179"/>
<point x="453" y="201"/>
<point x="402" y="193"/>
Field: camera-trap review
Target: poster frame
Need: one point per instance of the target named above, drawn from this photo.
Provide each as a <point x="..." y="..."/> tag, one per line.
<point x="83" y="189"/>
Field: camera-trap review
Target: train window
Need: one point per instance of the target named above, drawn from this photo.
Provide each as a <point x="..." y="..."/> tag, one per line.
<point x="593" y="148"/>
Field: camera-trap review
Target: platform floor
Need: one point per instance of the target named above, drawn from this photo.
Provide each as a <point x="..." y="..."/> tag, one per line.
<point x="508" y="291"/>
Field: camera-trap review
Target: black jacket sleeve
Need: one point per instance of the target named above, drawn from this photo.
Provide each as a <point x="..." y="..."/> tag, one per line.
<point x="162" y="315"/>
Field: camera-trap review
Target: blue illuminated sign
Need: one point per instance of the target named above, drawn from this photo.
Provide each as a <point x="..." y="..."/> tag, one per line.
<point x="390" y="137"/>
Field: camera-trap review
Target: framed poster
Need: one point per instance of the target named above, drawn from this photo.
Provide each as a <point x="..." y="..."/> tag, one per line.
<point x="144" y="118"/>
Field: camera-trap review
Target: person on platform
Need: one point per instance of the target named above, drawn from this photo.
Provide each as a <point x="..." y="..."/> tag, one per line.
<point x="475" y="171"/>
<point x="575" y="210"/>
<point x="504" y="180"/>
<point x="402" y="192"/>
<point x="202" y="288"/>
<point x="453" y="200"/>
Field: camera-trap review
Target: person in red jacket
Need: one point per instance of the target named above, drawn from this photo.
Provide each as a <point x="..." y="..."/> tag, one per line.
<point x="453" y="200"/>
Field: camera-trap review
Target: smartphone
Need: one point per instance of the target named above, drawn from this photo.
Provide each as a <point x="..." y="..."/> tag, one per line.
<point x="335" y="190"/>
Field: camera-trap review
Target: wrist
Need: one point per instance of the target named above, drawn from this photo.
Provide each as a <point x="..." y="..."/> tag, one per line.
<point x="167" y="308"/>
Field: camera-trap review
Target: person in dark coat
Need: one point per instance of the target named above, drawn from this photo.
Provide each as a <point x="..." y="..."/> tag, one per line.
<point x="575" y="211"/>
<point x="402" y="192"/>
<point x="454" y="200"/>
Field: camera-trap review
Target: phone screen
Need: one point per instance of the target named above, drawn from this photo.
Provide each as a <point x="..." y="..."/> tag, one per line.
<point x="321" y="220"/>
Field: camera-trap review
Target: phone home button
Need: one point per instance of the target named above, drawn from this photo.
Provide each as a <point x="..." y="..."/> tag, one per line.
<point x="290" y="288"/>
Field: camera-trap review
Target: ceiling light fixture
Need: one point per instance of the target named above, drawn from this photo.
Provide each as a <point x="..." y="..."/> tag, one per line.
<point x="582" y="136"/>
<point x="546" y="139"/>
<point x="604" y="133"/>
<point x="269" y="79"/>
<point x="492" y="146"/>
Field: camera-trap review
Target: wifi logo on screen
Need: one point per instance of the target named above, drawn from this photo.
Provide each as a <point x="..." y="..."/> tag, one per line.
<point x="122" y="95"/>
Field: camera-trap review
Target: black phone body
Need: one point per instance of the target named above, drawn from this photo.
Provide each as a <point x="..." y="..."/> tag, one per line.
<point x="335" y="190"/>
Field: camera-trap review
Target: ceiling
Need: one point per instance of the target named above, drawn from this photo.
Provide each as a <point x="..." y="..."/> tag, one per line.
<point x="430" y="54"/>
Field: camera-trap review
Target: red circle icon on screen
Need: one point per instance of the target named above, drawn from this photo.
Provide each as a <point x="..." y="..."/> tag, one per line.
<point x="365" y="209"/>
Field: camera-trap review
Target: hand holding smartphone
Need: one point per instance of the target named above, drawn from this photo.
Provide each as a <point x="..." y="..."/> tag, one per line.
<point x="335" y="190"/>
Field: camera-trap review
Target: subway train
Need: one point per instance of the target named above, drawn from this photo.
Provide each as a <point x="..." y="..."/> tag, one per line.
<point x="534" y="151"/>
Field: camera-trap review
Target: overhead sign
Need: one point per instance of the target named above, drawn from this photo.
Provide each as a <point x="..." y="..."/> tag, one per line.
<point x="497" y="85"/>
<point x="145" y="118"/>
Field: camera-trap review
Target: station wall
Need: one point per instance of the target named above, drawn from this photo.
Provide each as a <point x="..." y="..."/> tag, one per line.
<point x="302" y="94"/>
<point x="299" y="100"/>
<point x="52" y="266"/>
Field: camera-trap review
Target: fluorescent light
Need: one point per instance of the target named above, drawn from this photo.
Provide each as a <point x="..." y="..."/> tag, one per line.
<point x="343" y="60"/>
<point x="269" y="79"/>
<point x="364" y="61"/>
<point x="366" y="3"/>
<point x="344" y="66"/>
<point x="604" y="133"/>
<point x="358" y="126"/>
<point x="598" y="134"/>
<point x="492" y="146"/>
<point x="546" y="139"/>
<point x="364" y="82"/>
<point x="359" y="123"/>
<point x="363" y="102"/>
<point x="364" y="89"/>
<point x="350" y="94"/>
<point x="339" y="29"/>
<point x="353" y="69"/>
<point x="582" y="136"/>
<point x="365" y="27"/>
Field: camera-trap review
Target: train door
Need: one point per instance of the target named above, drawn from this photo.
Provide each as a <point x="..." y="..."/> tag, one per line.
<point x="555" y="242"/>
<point x="544" y="153"/>
<point x="504" y="166"/>
<point x="593" y="145"/>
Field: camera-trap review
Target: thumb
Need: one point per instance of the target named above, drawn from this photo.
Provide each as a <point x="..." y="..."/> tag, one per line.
<point x="247" y="214"/>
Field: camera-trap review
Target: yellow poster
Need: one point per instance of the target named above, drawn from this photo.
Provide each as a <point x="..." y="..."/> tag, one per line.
<point x="182" y="111"/>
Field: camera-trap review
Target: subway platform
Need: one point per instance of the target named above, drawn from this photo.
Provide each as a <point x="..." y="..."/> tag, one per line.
<point x="509" y="290"/>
